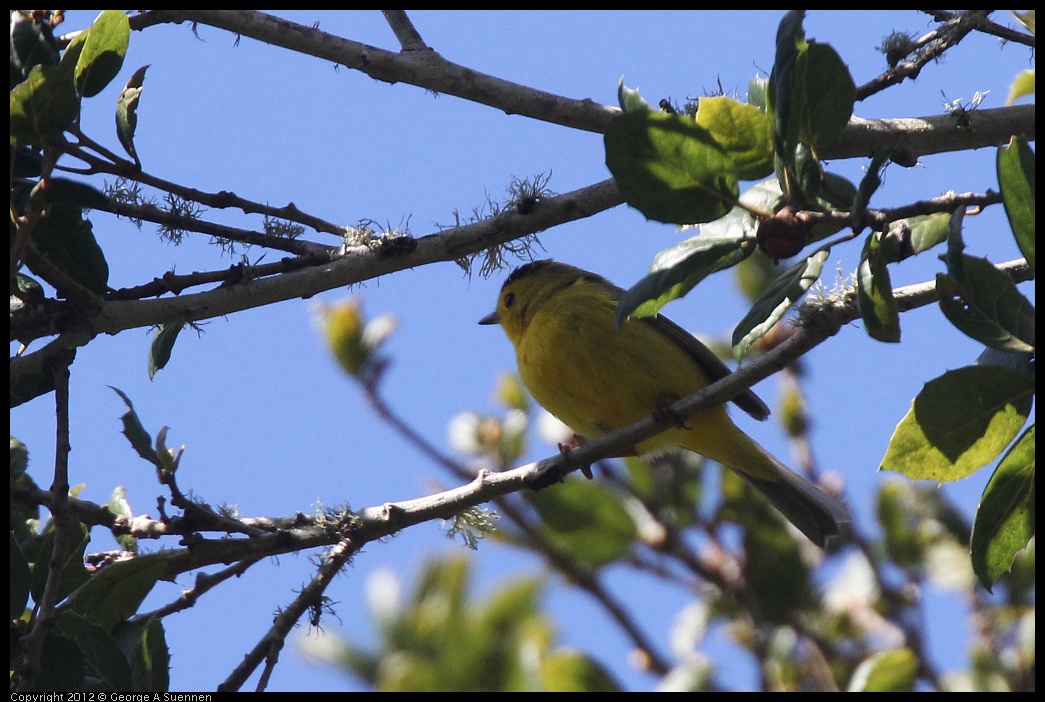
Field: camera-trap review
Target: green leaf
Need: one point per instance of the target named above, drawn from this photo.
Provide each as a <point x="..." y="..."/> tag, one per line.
<point x="888" y="671"/>
<point x="116" y="592"/>
<point x="912" y="235"/>
<point x="135" y="432"/>
<point x="31" y="44"/>
<point x="73" y="574"/>
<point x="62" y="666"/>
<point x="21" y="579"/>
<point x="987" y="306"/>
<point x="1005" y="518"/>
<point x="145" y="646"/>
<point x="43" y="106"/>
<point x="869" y="184"/>
<point x="119" y="506"/>
<point x="783" y="83"/>
<point x="899" y="522"/>
<point x="811" y="94"/>
<point x="743" y="131"/>
<point x="774" y="569"/>
<point x="826" y="94"/>
<point x="19" y="458"/>
<point x="810" y="89"/>
<point x="103" y="657"/>
<point x="127" y="112"/>
<point x="1016" y="177"/>
<point x="586" y="520"/>
<point x="669" y="168"/>
<point x="567" y="670"/>
<point x="103" y="52"/>
<point x="1022" y="85"/>
<point x="71" y="192"/>
<point x="631" y="100"/>
<point x="677" y="270"/>
<point x="959" y="422"/>
<point x="874" y="293"/>
<point x="781" y="294"/>
<point x="161" y="346"/>
<point x="1026" y="18"/>
<point x="67" y="239"/>
<point x="757" y="93"/>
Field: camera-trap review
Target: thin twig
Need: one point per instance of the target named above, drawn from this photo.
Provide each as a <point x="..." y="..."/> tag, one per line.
<point x="311" y="598"/>
<point x="220" y="200"/>
<point x="988" y="27"/>
<point x="926" y="49"/>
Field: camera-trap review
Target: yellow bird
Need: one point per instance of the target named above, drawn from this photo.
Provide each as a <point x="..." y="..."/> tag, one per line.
<point x="596" y="378"/>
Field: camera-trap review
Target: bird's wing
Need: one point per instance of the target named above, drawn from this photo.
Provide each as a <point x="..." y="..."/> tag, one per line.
<point x="709" y="362"/>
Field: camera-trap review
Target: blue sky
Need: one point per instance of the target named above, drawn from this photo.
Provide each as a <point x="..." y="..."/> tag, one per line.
<point x="271" y="424"/>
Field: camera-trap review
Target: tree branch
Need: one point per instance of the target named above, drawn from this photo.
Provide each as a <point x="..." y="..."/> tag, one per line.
<point x="429" y="70"/>
<point x="423" y="68"/>
<point x="44" y="619"/>
<point x="927" y="49"/>
<point x="404" y="29"/>
<point x="356" y="265"/>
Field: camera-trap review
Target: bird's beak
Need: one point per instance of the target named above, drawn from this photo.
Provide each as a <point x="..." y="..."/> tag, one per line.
<point x="492" y="318"/>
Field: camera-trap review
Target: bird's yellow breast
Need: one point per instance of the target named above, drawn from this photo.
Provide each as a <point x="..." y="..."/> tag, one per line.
<point x="596" y="378"/>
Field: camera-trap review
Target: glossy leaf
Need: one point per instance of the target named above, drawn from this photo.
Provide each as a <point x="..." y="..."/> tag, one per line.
<point x="144" y="645"/>
<point x="869" y="184"/>
<point x="827" y="94"/>
<point x="74" y="574"/>
<point x="987" y="306"/>
<point x="62" y="665"/>
<point x="43" y="106"/>
<point x="743" y="131"/>
<point x="784" y="292"/>
<point x="874" y="293"/>
<point x="630" y="100"/>
<point x="1005" y="518"/>
<point x="669" y="168"/>
<point x="1016" y="177"/>
<point x="162" y="345"/>
<point x="811" y="90"/>
<point x="1022" y="85"/>
<point x="959" y="422"/>
<point x="103" y="52"/>
<point x="71" y="192"/>
<point x="783" y="83"/>
<point x="31" y="44"/>
<point x="677" y="270"/>
<point x="912" y="235"/>
<point x="116" y="592"/>
<point x="135" y="432"/>
<point x="127" y="112"/>
<point x="119" y="506"/>
<point x="68" y="241"/>
<point x="101" y="654"/>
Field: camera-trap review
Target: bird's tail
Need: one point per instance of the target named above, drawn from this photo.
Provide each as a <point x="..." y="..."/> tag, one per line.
<point x="822" y="518"/>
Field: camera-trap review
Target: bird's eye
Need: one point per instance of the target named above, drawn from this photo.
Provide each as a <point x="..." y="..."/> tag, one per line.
<point x="509" y="300"/>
